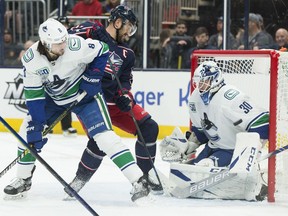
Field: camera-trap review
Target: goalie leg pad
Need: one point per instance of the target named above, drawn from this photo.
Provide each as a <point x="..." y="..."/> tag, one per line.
<point x="220" y="157"/>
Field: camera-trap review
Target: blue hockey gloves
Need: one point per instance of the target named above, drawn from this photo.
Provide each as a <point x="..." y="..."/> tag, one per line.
<point x="124" y="103"/>
<point x="89" y="84"/>
<point x="34" y="135"/>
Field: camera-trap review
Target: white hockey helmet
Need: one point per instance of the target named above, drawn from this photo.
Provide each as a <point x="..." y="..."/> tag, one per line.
<point x="52" y="32"/>
<point x="208" y="78"/>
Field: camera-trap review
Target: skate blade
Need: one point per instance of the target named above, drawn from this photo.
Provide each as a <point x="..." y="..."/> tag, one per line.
<point x="71" y="135"/>
<point x="157" y="192"/>
<point x="145" y="201"/>
<point x="19" y="196"/>
<point x="69" y="198"/>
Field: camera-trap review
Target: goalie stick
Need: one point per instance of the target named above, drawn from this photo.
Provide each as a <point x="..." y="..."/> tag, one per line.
<point x="133" y="117"/>
<point x="49" y="168"/>
<point x="45" y="132"/>
<point x="215" y="179"/>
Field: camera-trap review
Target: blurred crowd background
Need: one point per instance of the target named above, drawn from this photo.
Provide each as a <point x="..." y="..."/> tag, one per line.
<point x="168" y="30"/>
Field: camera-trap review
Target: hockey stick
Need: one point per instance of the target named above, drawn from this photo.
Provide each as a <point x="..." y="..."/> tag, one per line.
<point x="133" y="117"/>
<point x="49" y="168"/>
<point x="215" y="179"/>
<point x="273" y="153"/>
<point x="45" y="132"/>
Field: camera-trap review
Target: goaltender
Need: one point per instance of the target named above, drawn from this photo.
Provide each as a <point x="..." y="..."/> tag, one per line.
<point x="233" y="129"/>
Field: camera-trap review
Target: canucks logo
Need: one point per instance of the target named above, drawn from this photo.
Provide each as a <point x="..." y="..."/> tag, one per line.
<point x="15" y="94"/>
<point x="192" y="106"/>
<point x="231" y="94"/>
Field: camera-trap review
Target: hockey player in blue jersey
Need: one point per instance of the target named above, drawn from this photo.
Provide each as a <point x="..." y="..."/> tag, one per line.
<point x="57" y="69"/>
<point x="122" y="25"/>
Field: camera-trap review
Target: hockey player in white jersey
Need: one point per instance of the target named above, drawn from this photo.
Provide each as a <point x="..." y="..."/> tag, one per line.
<point x="57" y="69"/>
<point x="218" y="112"/>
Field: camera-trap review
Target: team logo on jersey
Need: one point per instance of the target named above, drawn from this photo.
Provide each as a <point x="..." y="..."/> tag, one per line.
<point x="28" y="56"/>
<point x="231" y="93"/>
<point x="15" y="94"/>
<point x="192" y="107"/>
<point x="114" y="64"/>
<point x="74" y="44"/>
<point x="209" y="128"/>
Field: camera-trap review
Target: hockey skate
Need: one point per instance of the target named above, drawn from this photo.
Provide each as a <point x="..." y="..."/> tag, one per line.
<point x="140" y="189"/>
<point x="18" y="188"/>
<point x="156" y="188"/>
<point x="77" y="184"/>
<point x="70" y="132"/>
<point x="263" y="193"/>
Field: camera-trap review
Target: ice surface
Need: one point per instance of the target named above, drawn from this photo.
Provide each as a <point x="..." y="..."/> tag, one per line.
<point x="108" y="190"/>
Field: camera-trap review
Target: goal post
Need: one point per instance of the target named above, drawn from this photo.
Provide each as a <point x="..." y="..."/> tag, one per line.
<point x="263" y="75"/>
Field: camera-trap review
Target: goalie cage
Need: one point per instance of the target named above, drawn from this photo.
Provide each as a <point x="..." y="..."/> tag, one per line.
<point x="263" y="75"/>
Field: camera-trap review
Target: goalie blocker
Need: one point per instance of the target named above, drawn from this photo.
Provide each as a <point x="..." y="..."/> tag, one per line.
<point x="246" y="180"/>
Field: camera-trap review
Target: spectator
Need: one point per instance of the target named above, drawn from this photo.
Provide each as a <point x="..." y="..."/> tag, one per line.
<point x="87" y="8"/>
<point x="27" y="45"/>
<point x="202" y="38"/>
<point x="11" y="50"/>
<point x="109" y="5"/>
<point x="216" y="40"/>
<point x="165" y="48"/>
<point x="261" y="23"/>
<point x="180" y="43"/>
<point x="257" y="38"/>
<point x="281" y="39"/>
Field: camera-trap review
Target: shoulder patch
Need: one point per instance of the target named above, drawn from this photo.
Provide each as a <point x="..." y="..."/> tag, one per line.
<point x="192" y="107"/>
<point x="231" y="94"/>
<point x="74" y="44"/>
<point x="43" y="71"/>
<point x="28" y="56"/>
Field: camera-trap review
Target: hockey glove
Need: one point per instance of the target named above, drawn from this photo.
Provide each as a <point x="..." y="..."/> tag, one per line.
<point x="193" y="143"/>
<point x="124" y="100"/>
<point x="90" y="84"/>
<point x="34" y="135"/>
<point x="124" y="103"/>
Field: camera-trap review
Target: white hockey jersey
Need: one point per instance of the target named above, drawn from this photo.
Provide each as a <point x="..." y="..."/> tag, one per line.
<point x="230" y="111"/>
<point x="59" y="78"/>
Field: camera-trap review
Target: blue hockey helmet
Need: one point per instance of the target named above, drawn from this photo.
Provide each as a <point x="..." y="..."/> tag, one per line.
<point x="125" y="13"/>
<point x="208" y="79"/>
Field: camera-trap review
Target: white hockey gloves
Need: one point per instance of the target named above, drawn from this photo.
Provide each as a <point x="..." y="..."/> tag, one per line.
<point x="177" y="147"/>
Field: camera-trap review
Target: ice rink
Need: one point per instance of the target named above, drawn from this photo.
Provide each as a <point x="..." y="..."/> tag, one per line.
<point x="108" y="190"/>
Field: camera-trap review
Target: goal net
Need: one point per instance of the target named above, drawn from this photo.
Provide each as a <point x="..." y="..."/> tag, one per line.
<point x="263" y="75"/>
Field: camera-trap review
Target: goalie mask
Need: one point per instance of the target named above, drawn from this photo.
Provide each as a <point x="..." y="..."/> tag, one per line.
<point x="52" y="32"/>
<point x="208" y="79"/>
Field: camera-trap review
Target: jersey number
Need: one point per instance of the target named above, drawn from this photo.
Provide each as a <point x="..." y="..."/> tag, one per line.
<point x="246" y="107"/>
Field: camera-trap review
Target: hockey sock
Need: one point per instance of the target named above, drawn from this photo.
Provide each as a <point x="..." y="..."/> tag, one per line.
<point x="149" y="129"/>
<point x="88" y="165"/>
<point x="143" y="160"/>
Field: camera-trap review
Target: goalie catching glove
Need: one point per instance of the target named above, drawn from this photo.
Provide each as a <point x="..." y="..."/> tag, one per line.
<point x="177" y="147"/>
